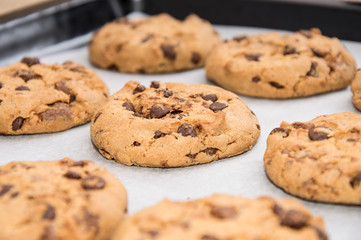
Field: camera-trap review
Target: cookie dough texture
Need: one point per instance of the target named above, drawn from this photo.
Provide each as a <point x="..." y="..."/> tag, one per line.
<point x="173" y="124"/>
<point x="153" y="45"/>
<point x="62" y="200"/>
<point x="318" y="160"/>
<point x="222" y="217"/>
<point x="356" y="90"/>
<point x="273" y="65"/>
<point x="40" y="98"/>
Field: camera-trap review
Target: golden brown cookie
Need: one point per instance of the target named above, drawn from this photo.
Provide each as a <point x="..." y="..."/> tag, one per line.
<point x="153" y="45"/>
<point x="223" y="217"/>
<point x="40" y="98"/>
<point x="65" y="199"/>
<point x="319" y="160"/>
<point x="272" y="65"/>
<point x="356" y="90"/>
<point x="172" y="125"/>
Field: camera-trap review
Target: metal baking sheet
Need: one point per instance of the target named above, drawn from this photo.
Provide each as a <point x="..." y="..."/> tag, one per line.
<point x="240" y="175"/>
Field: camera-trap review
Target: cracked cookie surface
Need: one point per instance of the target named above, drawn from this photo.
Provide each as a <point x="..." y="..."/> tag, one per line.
<point x="223" y="217"/>
<point x="40" y="98"/>
<point x="272" y="65"/>
<point x="65" y="199"/>
<point x="356" y="90"/>
<point x="153" y="45"/>
<point x="318" y="160"/>
<point x="173" y="124"/>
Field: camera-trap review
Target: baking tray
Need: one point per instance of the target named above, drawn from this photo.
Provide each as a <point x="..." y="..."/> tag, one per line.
<point x="240" y="175"/>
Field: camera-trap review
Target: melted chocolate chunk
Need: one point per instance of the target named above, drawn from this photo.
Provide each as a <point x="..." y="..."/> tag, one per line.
<point x="154" y="84"/>
<point x="136" y="144"/>
<point x="147" y="38"/>
<point x="49" y="213"/>
<point x="239" y="38"/>
<point x="284" y="131"/>
<point x="355" y="181"/>
<point x="196" y="58"/>
<point x="92" y="182"/>
<point x="217" y="106"/>
<point x="129" y="106"/>
<point x="30" y="61"/>
<point x="57" y="110"/>
<point x="253" y="56"/>
<point x="1" y="85"/>
<point x="192" y="156"/>
<point x="26" y="75"/>
<point x="158" y="134"/>
<point x="72" y="98"/>
<point x="210" y="97"/>
<point x="79" y="164"/>
<point x="158" y="111"/>
<point x="288" y="50"/>
<point x="291" y="218"/>
<point x="97" y="116"/>
<point x="18" y="123"/>
<point x="317" y="135"/>
<point x="5" y="188"/>
<point x="318" y="53"/>
<point x="61" y="86"/>
<point x="138" y="89"/>
<point x="210" y="151"/>
<point x="168" y="51"/>
<point x="256" y="79"/>
<point x="72" y="175"/>
<point x="306" y="126"/>
<point x="312" y="72"/>
<point x="187" y="129"/>
<point x="223" y="212"/>
<point x="113" y="67"/>
<point x="276" y="85"/>
<point x="167" y="93"/>
<point x="22" y="88"/>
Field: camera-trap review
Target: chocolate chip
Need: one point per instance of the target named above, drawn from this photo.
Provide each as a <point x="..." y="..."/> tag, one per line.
<point x="5" y="188"/>
<point x="72" y="98"/>
<point x="167" y="93"/>
<point x="253" y="56"/>
<point x="1" y="101"/>
<point x="168" y="51"/>
<point x="61" y="86"/>
<point x="187" y="129"/>
<point x="223" y="212"/>
<point x="258" y="126"/>
<point x="18" y="123"/>
<point x="22" y="88"/>
<point x="276" y="85"/>
<point x="57" y="110"/>
<point x="320" y="234"/>
<point x="210" y="97"/>
<point x="284" y="131"/>
<point x="239" y="38"/>
<point x="14" y="195"/>
<point x="113" y="67"/>
<point x="351" y="140"/>
<point x="97" y="116"/>
<point x="153" y="233"/>
<point x="306" y="126"/>
<point x="217" y="106"/>
<point x="196" y="58"/>
<point x="176" y="112"/>
<point x="138" y="89"/>
<point x="306" y="33"/>
<point x="209" y="237"/>
<point x="154" y="84"/>
<point x="135" y="143"/>
<point x="1" y="85"/>
<point x="355" y="181"/>
<point x="26" y="75"/>
<point x="80" y="163"/>
<point x="129" y="106"/>
<point x="158" y="111"/>
<point x="210" y="151"/>
<point x="318" y="53"/>
<point x="158" y="134"/>
<point x="49" y="213"/>
<point x="92" y="182"/>
<point x="91" y="221"/>
<point x="256" y="79"/>
<point x="30" y="61"/>
<point x="312" y="72"/>
<point x="49" y="233"/>
<point x="147" y="38"/>
<point x="72" y="175"/>
<point x="317" y="135"/>
<point x="288" y="50"/>
<point x="192" y="156"/>
<point x="291" y="218"/>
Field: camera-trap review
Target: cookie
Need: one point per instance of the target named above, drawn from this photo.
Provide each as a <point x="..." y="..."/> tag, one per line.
<point x="222" y="217"/>
<point x="356" y="90"/>
<point x="172" y="125"/>
<point x="317" y="160"/>
<point x="272" y="65"/>
<point x="62" y="199"/>
<point x="40" y="98"/>
<point x="155" y="44"/>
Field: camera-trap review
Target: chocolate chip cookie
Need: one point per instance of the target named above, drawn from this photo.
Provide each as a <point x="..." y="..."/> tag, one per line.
<point x="62" y="199"/>
<point x="318" y="160"/>
<point x="272" y="65"/>
<point x="356" y="90"/>
<point x="153" y="45"/>
<point x="40" y="98"/>
<point x="222" y="217"/>
<point x="173" y="124"/>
